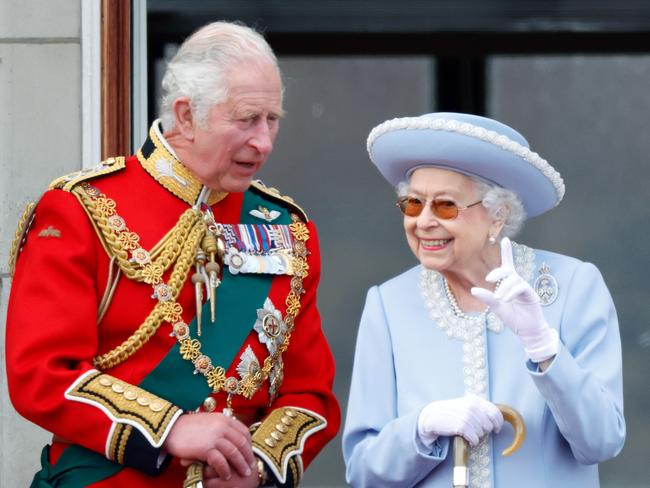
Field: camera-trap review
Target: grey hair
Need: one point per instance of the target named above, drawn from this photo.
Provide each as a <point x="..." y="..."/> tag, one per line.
<point x="497" y="200"/>
<point x="198" y="69"/>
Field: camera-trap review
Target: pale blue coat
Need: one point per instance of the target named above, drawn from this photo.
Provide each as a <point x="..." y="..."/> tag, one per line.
<point x="573" y="411"/>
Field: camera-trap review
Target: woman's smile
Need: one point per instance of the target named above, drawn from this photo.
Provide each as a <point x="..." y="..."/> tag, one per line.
<point x="434" y="244"/>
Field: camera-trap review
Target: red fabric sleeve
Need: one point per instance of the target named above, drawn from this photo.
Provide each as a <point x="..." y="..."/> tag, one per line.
<point x="51" y="322"/>
<point x="308" y="362"/>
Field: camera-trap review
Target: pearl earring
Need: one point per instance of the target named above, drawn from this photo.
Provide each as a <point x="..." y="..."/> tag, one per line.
<point x="492" y="240"/>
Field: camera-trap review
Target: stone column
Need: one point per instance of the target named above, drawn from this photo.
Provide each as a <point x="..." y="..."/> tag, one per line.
<point x="40" y="139"/>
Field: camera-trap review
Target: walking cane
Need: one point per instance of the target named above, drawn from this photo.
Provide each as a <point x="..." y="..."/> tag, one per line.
<point x="461" y="447"/>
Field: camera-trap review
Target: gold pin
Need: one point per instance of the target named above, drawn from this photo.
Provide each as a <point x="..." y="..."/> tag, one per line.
<point x="198" y="280"/>
<point x="210" y="247"/>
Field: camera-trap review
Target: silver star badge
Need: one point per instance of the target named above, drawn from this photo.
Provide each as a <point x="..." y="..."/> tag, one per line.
<point x="269" y="326"/>
<point x="248" y="364"/>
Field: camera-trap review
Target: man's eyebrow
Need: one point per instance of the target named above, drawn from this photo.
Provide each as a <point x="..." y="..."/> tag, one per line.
<point x="249" y="112"/>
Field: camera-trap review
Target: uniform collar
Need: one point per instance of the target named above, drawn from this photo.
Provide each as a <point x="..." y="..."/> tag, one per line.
<point x="158" y="159"/>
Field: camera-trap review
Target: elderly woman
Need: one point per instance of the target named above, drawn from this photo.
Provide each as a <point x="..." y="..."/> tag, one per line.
<point x="480" y="321"/>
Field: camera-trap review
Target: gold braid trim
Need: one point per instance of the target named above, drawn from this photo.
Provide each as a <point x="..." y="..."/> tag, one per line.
<point x="24" y="224"/>
<point x="274" y="195"/>
<point x="194" y="475"/>
<point x="178" y="247"/>
<point x="118" y="442"/>
<point x="101" y="209"/>
<point x="280" y="440"/>
<point x="69" y="181"/>
<point x="163" y="310"/>
<point x="125" y="404"/>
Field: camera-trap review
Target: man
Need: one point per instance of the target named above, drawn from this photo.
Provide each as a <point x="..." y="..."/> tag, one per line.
<point x="163" y="308"/>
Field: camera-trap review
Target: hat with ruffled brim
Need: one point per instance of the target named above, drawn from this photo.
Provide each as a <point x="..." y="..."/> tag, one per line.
<point x="468" y="144"/>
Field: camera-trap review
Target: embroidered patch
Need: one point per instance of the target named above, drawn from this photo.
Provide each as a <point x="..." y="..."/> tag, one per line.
<point x="165" y="168"/>
<point x="265" y="214"/>
<point x="50" y="232"/>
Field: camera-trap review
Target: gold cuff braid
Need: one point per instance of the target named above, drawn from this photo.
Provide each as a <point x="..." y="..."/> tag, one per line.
<point x="281" y="437"/>
<point x="125" y="404"/>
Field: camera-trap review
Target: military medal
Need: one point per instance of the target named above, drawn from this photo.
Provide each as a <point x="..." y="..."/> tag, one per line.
<point x="259" y="248"/>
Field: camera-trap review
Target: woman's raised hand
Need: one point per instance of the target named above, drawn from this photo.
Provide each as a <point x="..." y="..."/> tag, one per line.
<point x="518" y="306"/>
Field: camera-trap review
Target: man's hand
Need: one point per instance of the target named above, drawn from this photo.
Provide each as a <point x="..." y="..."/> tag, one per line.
<point x="222" y="442"/>
<point x="518" y="306"/>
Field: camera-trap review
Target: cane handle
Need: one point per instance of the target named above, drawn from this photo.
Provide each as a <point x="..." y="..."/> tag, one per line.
<point x="515" y="419"/>
<point x="461" y="446"/>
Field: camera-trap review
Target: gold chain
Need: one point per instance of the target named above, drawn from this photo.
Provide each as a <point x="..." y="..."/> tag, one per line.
<point x="119" y="240"/>
<point x="178" y="246"/>
<point x="163" y="310"/>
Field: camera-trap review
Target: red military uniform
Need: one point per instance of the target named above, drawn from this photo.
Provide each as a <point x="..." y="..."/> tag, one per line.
<point x="102" y="338"/>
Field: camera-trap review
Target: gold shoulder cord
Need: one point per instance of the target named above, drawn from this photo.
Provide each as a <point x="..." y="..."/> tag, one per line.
<point x="177" y="247"/>
<point x="102" y="212"/>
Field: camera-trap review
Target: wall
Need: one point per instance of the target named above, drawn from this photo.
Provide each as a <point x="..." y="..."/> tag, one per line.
<point x="40" y="139"/>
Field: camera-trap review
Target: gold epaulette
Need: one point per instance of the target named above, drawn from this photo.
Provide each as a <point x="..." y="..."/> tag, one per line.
<point x="66" y="183"/>
<point x="280" y="439"/>
<point x="274" y="195"/>
<point x="69" y="181"/>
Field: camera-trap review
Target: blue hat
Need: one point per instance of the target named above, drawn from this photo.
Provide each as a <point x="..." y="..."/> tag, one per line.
<point x="468" y="144"/>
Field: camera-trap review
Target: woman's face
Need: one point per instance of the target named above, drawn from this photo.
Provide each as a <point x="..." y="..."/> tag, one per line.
<point x="448" y="245"/>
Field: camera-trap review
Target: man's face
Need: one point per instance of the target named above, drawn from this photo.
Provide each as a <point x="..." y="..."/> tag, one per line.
<point x="240" y="131"/>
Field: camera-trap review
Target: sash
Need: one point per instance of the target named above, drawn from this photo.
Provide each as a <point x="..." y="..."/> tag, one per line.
<point x="237" y="300"/>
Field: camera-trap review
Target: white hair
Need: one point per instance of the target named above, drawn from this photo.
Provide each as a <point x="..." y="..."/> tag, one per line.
<point x="501" y="203"/>
<point x="198" y="70"/>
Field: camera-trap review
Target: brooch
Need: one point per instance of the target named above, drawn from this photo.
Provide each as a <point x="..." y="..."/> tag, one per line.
<point x="546" y="285"/>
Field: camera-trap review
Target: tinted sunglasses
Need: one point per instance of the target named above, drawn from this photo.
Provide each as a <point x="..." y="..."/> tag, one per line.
<point x="441" y="208"/>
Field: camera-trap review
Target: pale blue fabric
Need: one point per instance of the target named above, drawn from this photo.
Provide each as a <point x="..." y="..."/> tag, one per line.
<point x="398" y="152"/>
<point x="573" y="411"/>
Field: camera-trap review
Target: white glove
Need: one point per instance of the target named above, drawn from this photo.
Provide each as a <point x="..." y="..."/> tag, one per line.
<point x="469" y="416"/>
<point x="517" y="305"/>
